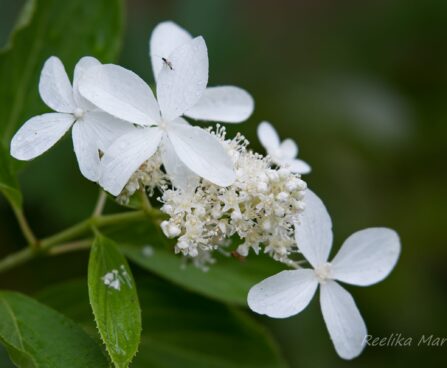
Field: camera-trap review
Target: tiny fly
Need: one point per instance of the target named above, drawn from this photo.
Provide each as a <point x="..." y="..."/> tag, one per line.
<point x="167" y="63"/>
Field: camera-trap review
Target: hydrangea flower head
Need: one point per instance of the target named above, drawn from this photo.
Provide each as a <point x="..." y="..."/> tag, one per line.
<point x="260" y="208"/>
<point x="365" y="258"/>
<point x="93" y="130"/>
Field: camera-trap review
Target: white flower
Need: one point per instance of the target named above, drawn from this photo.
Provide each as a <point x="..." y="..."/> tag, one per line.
<point x="282" y="153"/>
<point x="365" y="258"/>
<point x="227" y="104"/>
<point x="186" y="151"/>
<point x="93" y="130"/>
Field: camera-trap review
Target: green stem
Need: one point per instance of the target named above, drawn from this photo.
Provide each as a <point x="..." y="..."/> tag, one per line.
<point x="145" y="200"/>
<point x="100" y="203"/>
<point x="72" y="233"/>
<point x="24" y="226"/>
<point x="71" y="247"/>
<point x="85" y="226"/>
<point x="15" y="259"/>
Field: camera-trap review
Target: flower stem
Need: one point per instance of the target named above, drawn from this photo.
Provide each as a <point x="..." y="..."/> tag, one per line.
<point x="85" y="226"/>
<point x="24" y="226"/>
<point x="15" y="259"/>
<point x="72" y="233"/>
<point x="70" y="247"/>
<point x="145" y="200"/>
<point x="100" y="203"/>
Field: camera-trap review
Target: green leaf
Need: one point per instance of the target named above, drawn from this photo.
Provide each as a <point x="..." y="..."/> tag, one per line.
<point x="5" y="362"/>
<point x="37" y="336"/>
<point x="67" y="29"/>
<point x="228" y="280"/>
<point x="114" y="300"/>
<point x="181" y="329"/>
<point x="8" y="182"/>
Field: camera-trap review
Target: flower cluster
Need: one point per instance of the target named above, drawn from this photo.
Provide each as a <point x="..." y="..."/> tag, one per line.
<point x="260" y="207"/>
<point x="212" y="188"/>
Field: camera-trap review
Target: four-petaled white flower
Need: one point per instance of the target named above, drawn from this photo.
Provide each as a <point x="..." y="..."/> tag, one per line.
<point x="93" y="130"/>
<point x="282" y="153"/>
<point x="225" y="104"/>
<point x="187" y="152"/>
<point x="365" y="258"/>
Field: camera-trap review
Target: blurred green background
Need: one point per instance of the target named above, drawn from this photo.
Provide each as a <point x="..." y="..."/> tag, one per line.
<point x="362" y="87"/>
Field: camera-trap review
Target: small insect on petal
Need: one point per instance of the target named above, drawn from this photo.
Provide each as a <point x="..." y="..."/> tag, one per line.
<point x="167" y="63"/>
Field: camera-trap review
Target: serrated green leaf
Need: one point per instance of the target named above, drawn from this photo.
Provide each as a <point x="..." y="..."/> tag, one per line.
<point x="8" y="182"/>
<point x="181" y="329"/>
<point x="37" y="336"/>
<point x="114" y="300"/>
<point x="228" y="280"/>
<point x="68" y="29"/>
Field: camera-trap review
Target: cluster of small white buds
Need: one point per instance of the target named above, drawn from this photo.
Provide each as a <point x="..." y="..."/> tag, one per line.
<point x="260" y="208"/>
<point x="149" y="176"/>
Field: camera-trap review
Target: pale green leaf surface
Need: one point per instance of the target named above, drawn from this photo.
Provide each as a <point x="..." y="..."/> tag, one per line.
<point x="37" y="336"/>
<point x="181" y="329"/>
<point x="114" y="300"/>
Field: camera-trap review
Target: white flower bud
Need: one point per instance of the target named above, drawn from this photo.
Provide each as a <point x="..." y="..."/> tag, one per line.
<point x="302" y="184"/>
<point x="167" y="208"/>
<point x="273" y="175"/>
<point x="193" y="252"/>
<point x="292" y="185"/>
<point x="164" y="227"/>
<point x="182" y="244"/>
<point x="283" y="172"/>
<point x="170" y="230"/>
<point x="282" y="197"/>
<point x="262" y="187"/>
<point x="279" y="211"/>
<point x="300" y="206"/>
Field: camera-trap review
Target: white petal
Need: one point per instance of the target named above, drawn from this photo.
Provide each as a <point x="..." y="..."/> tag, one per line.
<point x="121" y="93"/>
<point x="227" y="104"/>
<point x="267" y="136"/>
<point x="86" y="150"/>
<point x="289" y="148"/>
<point x="126" y="155"/>
<point x="165" y="38"/>
<point x="343" y="320"/>
<point x="55" y="87"/>
<point x="39" y="134"/>
<point x="81" y="67"/>
<point x="105" y="128"/>
<point x="313" y="234"/>
<point x="180" y="176"/>
<point x="202" y="153"/>
<point x="298" y="166"/>
<point x="367" y="256"/>
<point x="180" y="88"/>
<point x="284" y="294"/>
